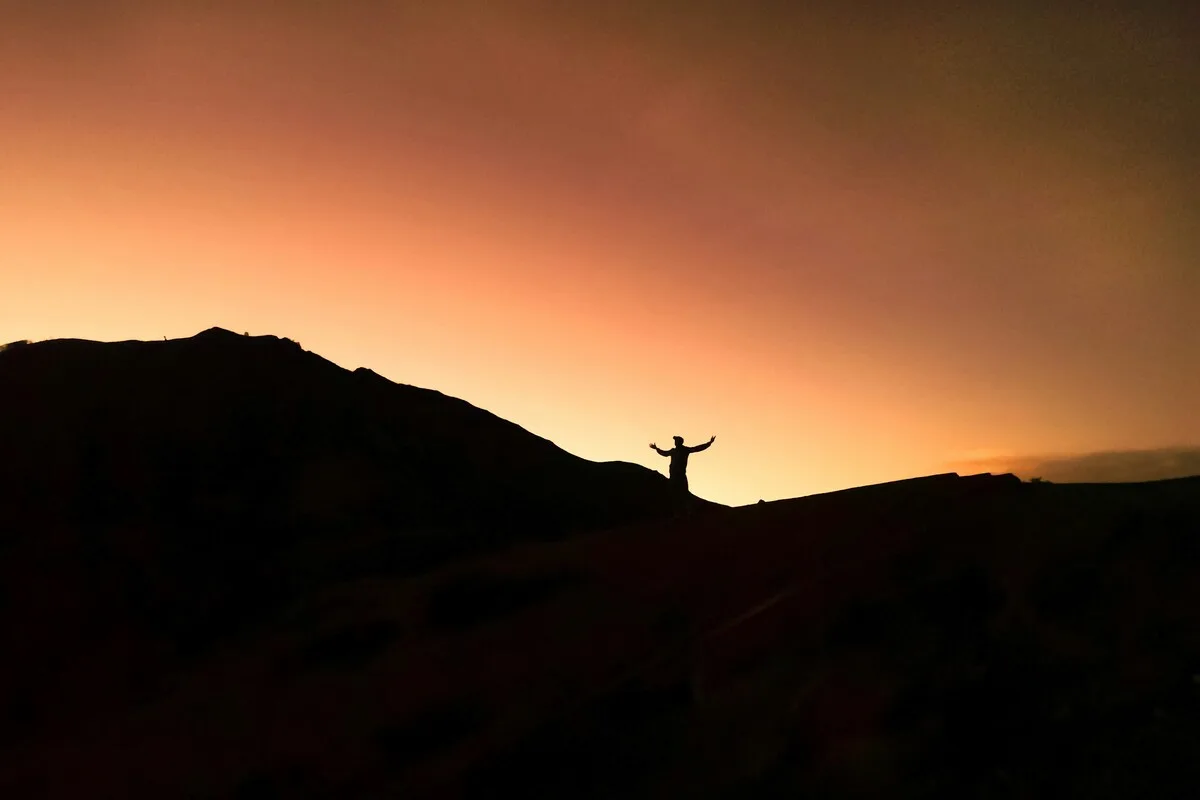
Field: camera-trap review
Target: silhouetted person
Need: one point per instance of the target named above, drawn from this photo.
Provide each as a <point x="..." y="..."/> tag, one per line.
<point x="679" y="456"/>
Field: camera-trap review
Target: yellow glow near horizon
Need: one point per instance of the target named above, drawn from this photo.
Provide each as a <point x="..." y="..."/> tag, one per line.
<point x="611" y="230"/>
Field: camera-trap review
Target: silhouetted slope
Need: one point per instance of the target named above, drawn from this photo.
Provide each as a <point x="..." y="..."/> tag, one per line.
<point x="221" y="424"/>
<point x="943" y="637"/>
<point x="940" y="637"/>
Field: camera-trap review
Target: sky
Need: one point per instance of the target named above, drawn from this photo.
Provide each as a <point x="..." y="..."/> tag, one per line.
<point x="856" y="242"/>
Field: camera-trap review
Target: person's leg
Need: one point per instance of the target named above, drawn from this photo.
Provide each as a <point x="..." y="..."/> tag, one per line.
<point x="679" y="483"/>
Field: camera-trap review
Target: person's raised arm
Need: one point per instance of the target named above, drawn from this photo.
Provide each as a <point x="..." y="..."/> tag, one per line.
<point x="704" y="446"/>
<point x="654" y="447"/>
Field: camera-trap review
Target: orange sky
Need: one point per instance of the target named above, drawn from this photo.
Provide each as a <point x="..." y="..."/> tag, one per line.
<point x="855" y="247"/>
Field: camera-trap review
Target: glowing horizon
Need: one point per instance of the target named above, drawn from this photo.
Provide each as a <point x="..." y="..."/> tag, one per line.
<point x="855" y="249"/>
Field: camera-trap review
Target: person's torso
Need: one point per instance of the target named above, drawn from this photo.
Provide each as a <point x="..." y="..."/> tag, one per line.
<point x="679" y="457"/>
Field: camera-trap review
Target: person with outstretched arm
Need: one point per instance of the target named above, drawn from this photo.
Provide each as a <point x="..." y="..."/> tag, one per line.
<point x="679" y="458"/>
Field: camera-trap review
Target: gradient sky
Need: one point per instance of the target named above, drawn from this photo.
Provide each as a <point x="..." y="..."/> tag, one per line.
<point x="854" y="245"/>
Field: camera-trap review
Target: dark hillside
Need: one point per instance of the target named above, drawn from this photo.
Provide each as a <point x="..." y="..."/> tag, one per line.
<point x="161" y="497"/>
<point x="200" y="430"/>
<point x="230" y="569"/>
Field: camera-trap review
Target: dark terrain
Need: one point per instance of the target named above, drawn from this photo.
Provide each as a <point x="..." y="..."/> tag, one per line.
<point x="230" y="568"/>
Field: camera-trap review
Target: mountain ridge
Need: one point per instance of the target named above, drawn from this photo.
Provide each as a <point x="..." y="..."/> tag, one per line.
<point x="222" y="361"/>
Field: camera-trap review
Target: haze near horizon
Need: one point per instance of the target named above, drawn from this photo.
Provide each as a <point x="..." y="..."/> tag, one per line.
<point x="854" y="245"/>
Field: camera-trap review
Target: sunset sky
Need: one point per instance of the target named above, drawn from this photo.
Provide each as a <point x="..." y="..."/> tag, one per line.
<point x="854" y="245"/>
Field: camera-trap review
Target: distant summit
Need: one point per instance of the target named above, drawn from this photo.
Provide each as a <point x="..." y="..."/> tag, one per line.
<point x="217" y="332"/>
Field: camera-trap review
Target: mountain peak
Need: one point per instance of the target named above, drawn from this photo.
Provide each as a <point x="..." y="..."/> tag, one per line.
<point x="218" y="334"/>
<point x="213" y="333"/>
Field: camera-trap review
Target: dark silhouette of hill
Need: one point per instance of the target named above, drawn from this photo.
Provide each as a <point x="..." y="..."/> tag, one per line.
<point x="200" y="430"/>
<point x="182" y="488"/>
<point x="229" y="568"/>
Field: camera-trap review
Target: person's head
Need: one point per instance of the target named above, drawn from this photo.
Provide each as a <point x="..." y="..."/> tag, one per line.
<point x="678" y="441"/>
